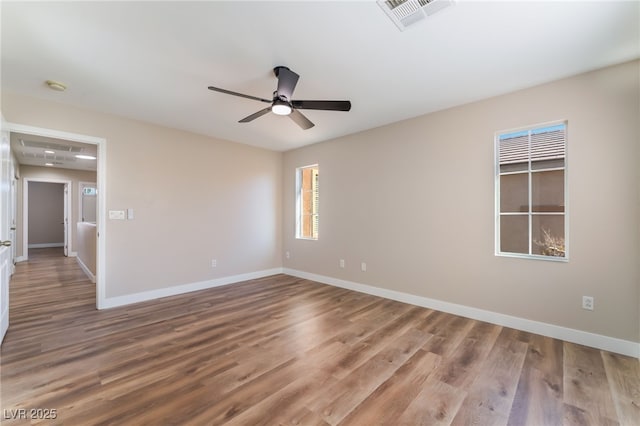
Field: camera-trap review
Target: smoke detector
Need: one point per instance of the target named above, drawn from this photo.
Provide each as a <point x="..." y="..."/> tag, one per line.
<point x="56" y="85"/>
<point x="404" y="13"/>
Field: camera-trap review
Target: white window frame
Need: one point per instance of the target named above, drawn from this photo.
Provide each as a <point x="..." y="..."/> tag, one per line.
<point x="299" y="201"/>
<point x="530" y="214"/>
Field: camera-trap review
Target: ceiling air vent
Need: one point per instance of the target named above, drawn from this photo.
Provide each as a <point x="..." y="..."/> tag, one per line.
<point x="404" y="13"/>
<point x="50" y="145"/>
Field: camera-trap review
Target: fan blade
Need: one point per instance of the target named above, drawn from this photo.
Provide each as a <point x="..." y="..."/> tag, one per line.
<point x="229" y="92"/>
<point x="287" y="81"/>
<point x="255" y="115"/>
<point x="323" y="105"/>
<point x="301" y="120"/>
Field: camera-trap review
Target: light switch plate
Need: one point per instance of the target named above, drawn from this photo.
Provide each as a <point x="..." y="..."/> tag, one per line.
<point x="116" y="214"/>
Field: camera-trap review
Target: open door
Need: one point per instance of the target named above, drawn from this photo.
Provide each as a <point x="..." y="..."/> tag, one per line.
<point x="6" y="261"/>
<point x="66" y="219"/>
<point x="13" y="235"/>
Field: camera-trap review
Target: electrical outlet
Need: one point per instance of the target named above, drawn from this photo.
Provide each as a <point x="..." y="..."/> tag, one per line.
<point x="342" y="263"/>
<point x="214" y="263"/>
<point x="287" y="254"/>
<point x="363" y="267"/>
<point x="587" y="303"/>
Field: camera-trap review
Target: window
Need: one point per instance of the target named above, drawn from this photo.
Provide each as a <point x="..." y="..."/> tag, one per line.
<point x="531" y="193"/>
<point x="307" y="202"/>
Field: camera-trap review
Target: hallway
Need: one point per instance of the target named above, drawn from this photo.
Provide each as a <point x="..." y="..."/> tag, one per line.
<point x="47" y="279"/>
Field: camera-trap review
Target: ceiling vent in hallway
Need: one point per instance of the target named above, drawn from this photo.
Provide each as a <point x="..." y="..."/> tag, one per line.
<point x="404" y="13"/>
<point x="50" y="145"/>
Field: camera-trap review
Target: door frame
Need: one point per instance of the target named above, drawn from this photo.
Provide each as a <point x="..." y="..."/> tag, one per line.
<point x="25" y="212"/>
<point x="101" y="180"/>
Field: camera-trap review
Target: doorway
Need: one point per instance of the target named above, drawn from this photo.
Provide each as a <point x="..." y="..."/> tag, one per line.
<point x="99" y="145"/>
<point x="46" y="215"/>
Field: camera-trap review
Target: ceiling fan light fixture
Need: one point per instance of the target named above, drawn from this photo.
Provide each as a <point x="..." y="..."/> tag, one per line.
<point x="283" y="103"/>
<point x="280" y="108"/>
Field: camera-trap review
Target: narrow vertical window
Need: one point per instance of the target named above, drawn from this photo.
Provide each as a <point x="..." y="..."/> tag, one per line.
<point x="531" y="192"/>
<point x="307" y="202"/>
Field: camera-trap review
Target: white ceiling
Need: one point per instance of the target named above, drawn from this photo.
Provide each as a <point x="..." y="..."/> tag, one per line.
<point x="153" y="61"/>
<point x="32" y="150"/>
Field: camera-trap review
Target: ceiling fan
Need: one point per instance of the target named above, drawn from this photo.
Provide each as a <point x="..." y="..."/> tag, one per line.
<point x="282" y="104"/>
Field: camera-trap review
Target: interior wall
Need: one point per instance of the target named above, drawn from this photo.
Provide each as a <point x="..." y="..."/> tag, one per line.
<point x="194" y="198"/>
<point x="53" y="174"/>
<point x="46" y="214"/>
<point x="415" y="201"/>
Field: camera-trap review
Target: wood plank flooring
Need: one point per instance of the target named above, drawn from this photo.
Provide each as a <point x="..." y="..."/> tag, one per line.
<point x="282" y="350"/>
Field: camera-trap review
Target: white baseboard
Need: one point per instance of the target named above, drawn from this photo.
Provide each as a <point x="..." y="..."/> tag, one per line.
<point x="598" y="341"/>
<point x="72" y="254"/>
<point x="112" y="302"/>
<point x="86" y="270"/>
<point x="45" y="245"/>
<point x="21" y="259"/>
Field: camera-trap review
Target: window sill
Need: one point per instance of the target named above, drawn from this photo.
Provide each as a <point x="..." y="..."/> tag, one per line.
<point x="534" y="257"/>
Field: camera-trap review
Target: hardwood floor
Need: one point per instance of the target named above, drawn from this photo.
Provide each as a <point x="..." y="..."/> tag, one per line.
<point x="283" y="350"/>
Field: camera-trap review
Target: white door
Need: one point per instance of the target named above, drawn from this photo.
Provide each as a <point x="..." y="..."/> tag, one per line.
<point x="14" y="214"/>
<point x="6" y="262"/>
<point x="66" y="219"/>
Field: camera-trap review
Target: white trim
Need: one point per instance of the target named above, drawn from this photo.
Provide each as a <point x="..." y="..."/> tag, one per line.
<point x="112" y="302"/>
<point x="46" y="245"/>
<point x="298" y="201"/>
<point x="101" y="181"/>
<point x="21" y="259"/>
<point x="50" y="133"/>
<point x="86" y="270"/>
<point x="101" y="212"/>
<point x="598" y="341"/>
<point x="534" y="257"/>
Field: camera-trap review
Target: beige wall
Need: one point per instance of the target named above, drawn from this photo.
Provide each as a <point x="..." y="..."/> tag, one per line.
<point x="415" y="200"/>
<point x="87" y="245"/>
<point x="46" y="213"/>
<point x="53" y="174"/>
<point x="195" y="198"/>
